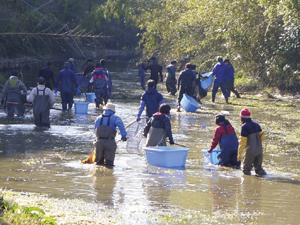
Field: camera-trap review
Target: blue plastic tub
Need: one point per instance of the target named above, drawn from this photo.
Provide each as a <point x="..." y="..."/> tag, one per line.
<point x="81" y="107"/>
<point x="90" y="97"/>
<point x="189" y="104"/>
<point x="208" y="81"/>
<point x="211" y="157"/>
<point x="166" y="156"/>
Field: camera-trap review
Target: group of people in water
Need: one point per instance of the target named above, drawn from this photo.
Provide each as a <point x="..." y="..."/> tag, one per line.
<point x="158" y="126"/>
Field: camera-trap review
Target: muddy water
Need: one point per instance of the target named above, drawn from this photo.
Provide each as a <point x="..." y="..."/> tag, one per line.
<point x="48" y="161"/>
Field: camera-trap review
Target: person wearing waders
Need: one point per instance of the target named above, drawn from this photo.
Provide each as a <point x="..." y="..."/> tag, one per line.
<point x="171" y="78"/>
<point x="107" y="74"/>
<point x="67" y="80"/>
<point x="230" y="80"/>
<point x="250" y="141"/>
<point x="151" y="99"/>
<point x="158" y="128"/>
<point x="105" y="129"/>
<point x="13" y="88"/>
<point x="221" y="72"/>
<point x="155" y="69"/>
<point x="48" y="74"/>
<point x="225" y="136"/>
<point x="100" y="81"/>
<point x="43" y="99"/>
<point x="185" y="83"/>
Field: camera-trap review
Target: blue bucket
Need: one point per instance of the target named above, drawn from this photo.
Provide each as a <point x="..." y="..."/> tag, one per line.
<point x="211" y="157"/>
<point x="189" y="104"/>
<point x="166" y="156"/>
<point x="208" y="81"/>
<point x="90" y="97"/>
<point x="81" y="107"/>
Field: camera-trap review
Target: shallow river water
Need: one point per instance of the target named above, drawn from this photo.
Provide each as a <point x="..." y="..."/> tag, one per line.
<point x="48" y="161"/>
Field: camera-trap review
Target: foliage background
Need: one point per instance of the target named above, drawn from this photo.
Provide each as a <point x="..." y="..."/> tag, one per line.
<point x="260" y="37"/>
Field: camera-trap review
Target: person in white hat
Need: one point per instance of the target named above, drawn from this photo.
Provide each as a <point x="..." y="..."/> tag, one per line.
<point x="105" y="129"/>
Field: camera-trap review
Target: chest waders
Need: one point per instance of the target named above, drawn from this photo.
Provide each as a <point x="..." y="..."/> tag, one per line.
<point x="254" y="154"/>
<point x="41" y="109"/>
<point x="100" y="87"/>
<point x="156" y="137"/>
<point x="105" y="144"/>
<point x="229" y="147"/>
<point x="13" y="98"/>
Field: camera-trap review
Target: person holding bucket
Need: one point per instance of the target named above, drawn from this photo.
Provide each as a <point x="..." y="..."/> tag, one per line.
<point x="105" y="129"/>
<point x="185" y="83"/>
<point x="158" y="128"/>
<point x="225" y="136"/>
<point x="251" y="141"/>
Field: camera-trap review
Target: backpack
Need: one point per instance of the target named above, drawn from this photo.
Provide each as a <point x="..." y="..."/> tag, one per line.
<point x="100" y="82"/>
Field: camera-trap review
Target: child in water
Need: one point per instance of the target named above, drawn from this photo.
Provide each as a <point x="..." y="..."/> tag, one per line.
<point x="159" y="127"/>
<point x="225" y="136"/>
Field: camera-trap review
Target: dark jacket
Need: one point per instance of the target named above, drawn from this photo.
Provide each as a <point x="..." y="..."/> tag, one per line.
<point x="230" y="75"/>
<point x="221" y="72"/>
<point x="186" y="79"/>
<point x="250" y="127"/>
<point x="48" y="74"/>
<point x="89" y="68"/>
<point x="171" y="72"/>
<point x="155" y="68"/>
<point x="159" y="120"/>
<point x="67" y="79"/>
<point x="152" y="99"/>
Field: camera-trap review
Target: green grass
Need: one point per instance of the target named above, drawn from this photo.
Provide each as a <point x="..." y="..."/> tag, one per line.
<point x="13" y="214"/>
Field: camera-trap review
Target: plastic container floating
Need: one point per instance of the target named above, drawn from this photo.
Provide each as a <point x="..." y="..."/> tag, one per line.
<point x="91" y="97"/>
<point x="189" y="104"/>
<point x="81" y="107"/>
<point x="208" y="81"/>
<point x="166" y="156"/>
<point x="211" y="157"/>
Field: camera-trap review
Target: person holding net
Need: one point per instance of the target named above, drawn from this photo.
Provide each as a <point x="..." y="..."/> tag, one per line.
<point x="158" y="128"/>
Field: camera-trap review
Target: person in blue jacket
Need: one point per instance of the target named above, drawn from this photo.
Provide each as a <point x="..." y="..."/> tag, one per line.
<point x="230" y="80"/>
<point x="105" y="129"/>
<point x="185" y="83"/>
<point x="151" y="99"/>
<point x="72" y="65"/>
<point x="67" y="80"/>
<point x="221" y="72"/>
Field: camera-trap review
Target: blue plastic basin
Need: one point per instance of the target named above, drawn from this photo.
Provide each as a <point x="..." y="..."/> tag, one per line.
<point x="211" y="157"/>
<point x="81" y="107"/>
<point x="208" y="81"/>
<point x="90" y="97"/>
<point x="189" y="104"/>
<point x="166" y="156"/>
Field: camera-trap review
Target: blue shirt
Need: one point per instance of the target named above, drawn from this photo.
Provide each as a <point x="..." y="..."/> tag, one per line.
<point x="221" y="72"/>
<point x="115" y="122"/>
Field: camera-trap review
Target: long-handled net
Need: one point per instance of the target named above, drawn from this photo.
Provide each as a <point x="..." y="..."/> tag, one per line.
<point x="136" y="139"/>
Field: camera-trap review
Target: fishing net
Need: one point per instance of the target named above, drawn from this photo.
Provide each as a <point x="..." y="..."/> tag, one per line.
<point x="136" y="140"/>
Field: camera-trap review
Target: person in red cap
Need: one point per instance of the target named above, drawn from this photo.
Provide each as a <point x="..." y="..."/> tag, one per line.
<point x="251" y="141"/>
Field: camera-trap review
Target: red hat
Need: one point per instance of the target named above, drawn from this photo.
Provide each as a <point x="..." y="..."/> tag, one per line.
<point x="245" y="113"/>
